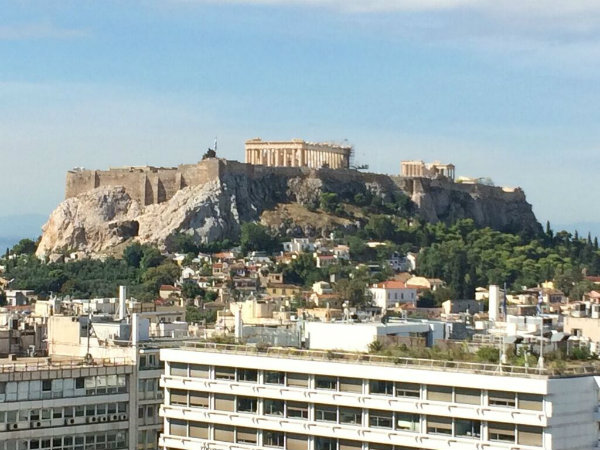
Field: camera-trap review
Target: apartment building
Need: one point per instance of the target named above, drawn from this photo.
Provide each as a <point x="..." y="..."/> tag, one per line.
<point x="235" y="397"/>
<point x="66" y="404"/>
<point x="111" y="339"/>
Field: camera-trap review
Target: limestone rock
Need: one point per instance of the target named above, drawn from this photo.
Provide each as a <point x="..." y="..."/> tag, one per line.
<point x="107" y="218"/>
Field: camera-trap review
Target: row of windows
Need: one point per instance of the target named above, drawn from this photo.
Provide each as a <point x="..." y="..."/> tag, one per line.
<point x="148" y="415"/>
<point x="149" y="389"/>
<point x="11" y="391"/>
<point x="89" y="441"/>
<point x="67" y="412"/>
<point x="525" y="435"/>
<point x="151" y="362"/>
<point x="277" y="439"/>
<point x="355" y="385"/>
<point x="402" y="421"/>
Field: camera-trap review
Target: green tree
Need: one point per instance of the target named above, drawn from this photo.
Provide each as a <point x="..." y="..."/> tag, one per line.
<point x="256" y="237"/>
<point x="182" y="243"/>
<point x="133" y="254"/>
<point x="381" y="228"/>
<point x="154" y="277"/>
<point x="191" y="290"/>
<point x="151" y="258"/>
<point x="328" y="202"/>
<point x="24" y="247"/>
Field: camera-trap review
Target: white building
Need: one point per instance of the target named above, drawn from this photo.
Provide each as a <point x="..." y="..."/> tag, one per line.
<point x="299" y="245"/>
<point x="227" y="397"/>
<point x="66" y="404"/>
<point x="389" y="293"/>
<point x="356" y="337"/>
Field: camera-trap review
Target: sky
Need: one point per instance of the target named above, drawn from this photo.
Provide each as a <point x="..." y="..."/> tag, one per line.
<point x="507" y="90"/>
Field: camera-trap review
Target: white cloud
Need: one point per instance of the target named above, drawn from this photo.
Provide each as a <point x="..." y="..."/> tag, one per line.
<point x="43" y="30"/>
<point x="575" y="18"/>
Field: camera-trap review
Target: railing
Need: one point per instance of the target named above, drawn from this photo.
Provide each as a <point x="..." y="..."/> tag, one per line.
<point x="417" y="363"/>
<point x="49" y="364"/>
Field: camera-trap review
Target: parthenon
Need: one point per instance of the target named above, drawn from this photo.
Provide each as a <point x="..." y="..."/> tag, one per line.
<point x="297" y="153"/>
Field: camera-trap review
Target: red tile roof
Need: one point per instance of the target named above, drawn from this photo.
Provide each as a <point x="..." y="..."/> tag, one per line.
<point x="391" y="284"/>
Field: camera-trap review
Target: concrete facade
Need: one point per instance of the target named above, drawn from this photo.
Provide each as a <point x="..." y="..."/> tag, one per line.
<point x="233" y="398"/>
<point x="65" y="404"/>
<point x="297" y="153"/>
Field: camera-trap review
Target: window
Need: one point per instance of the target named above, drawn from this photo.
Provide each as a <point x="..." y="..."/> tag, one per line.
<point x="273" y="407"/>
<point x="272" y="377"/>
<point x="322" y="443"/>
<point x="223" y="433"/>
<point x="198" y="371"/>
<point x="199" y="399"/>
<point x="247" y="404"/>
<point x="225" y="373"/>
<point x="408" y="390"/>
<point x="350" y="445"/>
<point x="532" y="402"/>
<point x="468" y="396"/>
<point x="504" y="432"/>
<point x="46" y="385"/>
<point x="178" y="397"/>
<point x="501" y="398"/>
<point x="297" y="410"/>
<point x="325" y="413"/>
<point x="373" y="446"/>
<point x="224" y="402"/>
<point x="381" y="387"/>
<point x="250" y="375"/>
<point x="381" y="419"/>
<point x="528" y="435"/>
<point x="467" y="428"/>
<point x="351" y="385"/>
<point x="439" y="425"/>
<point x="179" y="369"/>
<point x="246" y="435"/>
<point x="79" y="383"/>
<point x="351" y="416"/>
<point x="324" y="382"/>
<point x="296" y="442"/>
<point x="407" y="422"/>
<point x="297" y="379"/>
<point x="273" y="438"/>
<point x="178" y="427"/>
<point x="439" y="393"/>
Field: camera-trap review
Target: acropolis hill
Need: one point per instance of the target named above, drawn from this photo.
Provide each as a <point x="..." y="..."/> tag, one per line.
<point x="105" y="209"/>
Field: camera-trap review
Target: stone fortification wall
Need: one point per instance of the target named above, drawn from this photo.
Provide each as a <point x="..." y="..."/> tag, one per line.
<point x="148" y="185"/>
<point x="153" y="185"/>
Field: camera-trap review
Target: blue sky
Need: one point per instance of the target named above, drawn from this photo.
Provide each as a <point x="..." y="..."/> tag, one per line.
<point x="506" y="92"/>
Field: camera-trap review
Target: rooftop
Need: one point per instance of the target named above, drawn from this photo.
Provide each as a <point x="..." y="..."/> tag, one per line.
<point x="32" y="364"/>
<point x="579" y="369"/>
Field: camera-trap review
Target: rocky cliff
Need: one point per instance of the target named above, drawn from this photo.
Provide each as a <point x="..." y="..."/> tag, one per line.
<point x="100" y="220"/>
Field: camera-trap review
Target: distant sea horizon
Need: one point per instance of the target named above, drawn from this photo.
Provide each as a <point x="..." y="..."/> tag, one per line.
<point x="16" y="227"/>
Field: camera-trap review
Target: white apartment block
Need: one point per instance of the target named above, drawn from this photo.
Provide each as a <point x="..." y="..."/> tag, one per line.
<point x="234" y="397"/>
<point x="65" y="404"/>
<point x="388" y="294"/>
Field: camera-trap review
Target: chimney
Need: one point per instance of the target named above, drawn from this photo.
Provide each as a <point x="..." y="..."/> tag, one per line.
<point x="494" y="302"/>
<point x="122" y="300"/>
